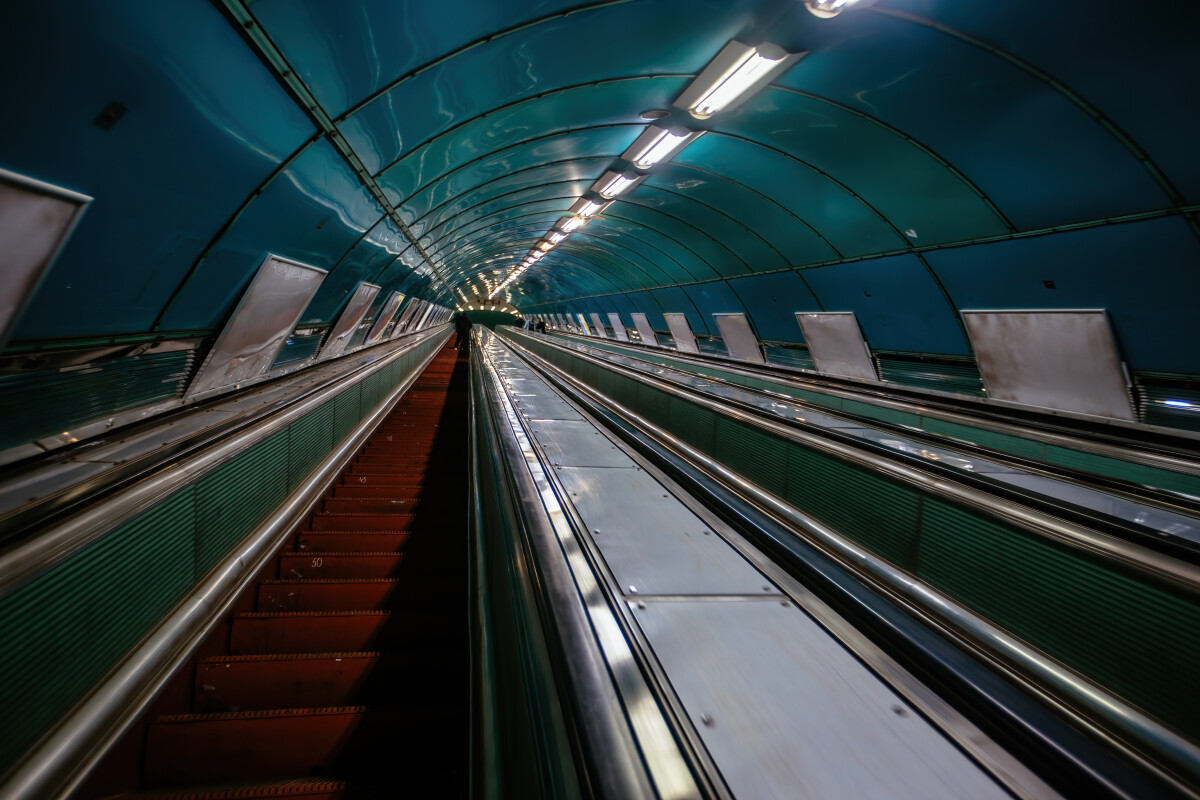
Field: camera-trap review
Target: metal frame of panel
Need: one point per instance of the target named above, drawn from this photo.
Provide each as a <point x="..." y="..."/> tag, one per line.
<point x="386" y="314"/>
<point x="36" y="238"/>
<point x="1061" y="359"/>
<point x="618" y="326"/>
<point x="348" y="321"/>
<point x="266" y="313"/>
<point x="681" y="332"/>
<point x="837" y="345"/>
<point x="739" y="337"/>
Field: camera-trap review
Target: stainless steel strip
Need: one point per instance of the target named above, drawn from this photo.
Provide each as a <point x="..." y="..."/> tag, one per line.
<point x="63" y="760"/>
<point x="29" y="558"/>
<point x="1087" y="696"/>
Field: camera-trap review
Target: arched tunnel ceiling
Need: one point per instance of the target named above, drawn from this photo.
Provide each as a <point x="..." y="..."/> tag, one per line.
<point x="427" y="146"/>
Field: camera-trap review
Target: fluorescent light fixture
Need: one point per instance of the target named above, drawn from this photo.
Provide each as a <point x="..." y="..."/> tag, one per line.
<point x="831" y="8"/>
<point x="585" y="207"/>
<point x="472" y="308"/>
<point x="736" y="73"/>
<point x="545" y="246"/>
<point x="613" y="183"/>
<point x="570" y="224"/>
<point x="555" y="237"/>
<point x="658" y="144"/>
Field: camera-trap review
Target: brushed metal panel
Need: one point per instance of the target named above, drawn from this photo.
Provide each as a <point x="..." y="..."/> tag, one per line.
<point x="266" y="314"/>
<point x="577" y="444"/>
<point x="644" y="328"/>
<point x="544" y="405"/>
<point x="740" y="340"/>
<point x="598" y="324"/>
<point x="35" y="221"/>
<point x="1064" y="359"/>
<point x="562" y="322"/>
<point x="618" y="327"/>
<point x="654" y="544"/>
<point x="836" y="344"/>
<point x="787" y="712"/>
<point x="685" y="342"/>
<point x="348" y="320"/>
<point x="385" y="316"/>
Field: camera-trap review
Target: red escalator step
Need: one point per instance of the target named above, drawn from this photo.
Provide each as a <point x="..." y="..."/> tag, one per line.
<point x="410" y="493"/>
<point x="351" y="541"/>
<point x="251" y="745"/>
<point x="259" y="682"/>
<point x="405" y="481"/>
<point x="315" y="594"/>
<point x="370" y="505"/>
<point x="381" y="469"/>
<point x="306" y="631"/>
<point x="361" y="522"/>
<point x="308" y="788"/>
<point x="340" y="565"/>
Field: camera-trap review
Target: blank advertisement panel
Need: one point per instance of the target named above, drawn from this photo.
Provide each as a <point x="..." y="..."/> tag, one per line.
<point x="618" y="327"/>
<point x="681" y="332"/>
<point x="266" y="314"/>
<point x="1064" y="359"/>
<point x="348" y="321"/>
<point x="836" y="344"/>
<point x="644" y="328"/>
<point x="35" y="221"/>
<point x="598" y="324"/>
<point x="740" y="340"/>
<point x="385" y="317"/>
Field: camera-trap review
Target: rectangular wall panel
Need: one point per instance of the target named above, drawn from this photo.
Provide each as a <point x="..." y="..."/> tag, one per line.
<point x="740" y="340"/>
<point x="348" y="320"/>
<point x="385" y="317"/>
<point x="618" y="327"/>
<point x="644" y="328"/>
<point x="836" y="344"/>
<point x="599" y="325"/>
<point x="1061" y="359"/>
<point x="685" y="342"/>
<point x="266" y="314"/>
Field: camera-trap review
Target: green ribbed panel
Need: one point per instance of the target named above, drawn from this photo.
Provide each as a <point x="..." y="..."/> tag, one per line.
<point x="748" y="451"/>
<point x="1140" y="640"/>
<point x="65" y="629"/>
<point x="1172" y="406"/>
<point x="296" y="349"/>
<point x="695" y="425"/>
<point x="309" y="441"/>
<point x="961" y="377"/>
<point x="1002" y="442"/>
<point x="892" y="415"/>
<point x="653" y="404"/>
<point x="1137" y="473"/>
<point x="38" y="404"/>
<point x="862" y="506"/>
<point x="789" y="357"/>
<point x="231" y="499"/>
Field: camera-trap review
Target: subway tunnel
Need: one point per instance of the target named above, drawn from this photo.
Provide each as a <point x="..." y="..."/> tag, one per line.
<point x="829" y="425"/>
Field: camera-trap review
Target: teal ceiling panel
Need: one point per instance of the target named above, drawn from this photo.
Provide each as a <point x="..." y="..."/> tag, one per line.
<point x="154" y="211"/>
<point x="675" y="300"/>
<point x="365" y="262"/>
<point x="713" y="298"/>
<point x="613" y="102"/>
<point x="713" y="257"/>
<point x="1004" y="128"/>
<point x="898" y="304"/>
<point x="1144" y="273"/>
<point x="1100" y="51"/>
<point x="556" y="54"/>
<point x="678" y="263"/>
<point x="904" y="183"/>
<point x="772" y="302"/>
<point x="314" y="212"/>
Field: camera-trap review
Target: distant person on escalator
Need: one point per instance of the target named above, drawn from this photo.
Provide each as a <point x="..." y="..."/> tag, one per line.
<point x="541" y="326"/>
<point x="462" y="324"/>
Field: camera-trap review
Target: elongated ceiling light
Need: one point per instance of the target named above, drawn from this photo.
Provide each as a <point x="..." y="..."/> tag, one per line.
<point x="831" y="8"/>
<point x="736" y="73"/>
<point x="585" y="207"/>
<point x="657" y="145"/>
<point x="613" y="183"/>
<point x="571" y="224"/>
<point x="555" y="237"/>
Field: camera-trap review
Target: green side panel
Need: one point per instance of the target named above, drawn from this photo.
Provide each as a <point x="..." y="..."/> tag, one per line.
<point x="872" y="511"/>
<point x="753" y="454"/>
<point x="296" y="349"/>
<point x="1137" y="473"/>
<point x="232" y="499"/>
<point x="793" y="357"/>
<point x="1013" y="445"/>
<point x="1171" y="406"/>
<point x="347" y="412"/>
<point x="961" y="377"/>
<point x="44" y="403"/>
<point x="310" y="439"/>
<point x="1139" y="639"/>
<point x="892" y="415"/>
<point x="654" y="405"/>
<point x="695" y="425"/>
<point x="68" y="627"/>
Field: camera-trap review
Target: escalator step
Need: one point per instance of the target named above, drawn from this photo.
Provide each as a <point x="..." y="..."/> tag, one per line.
<point x="256" y="745"/>
<point x="384" y="469"/>
<point x="371" y="505"/>
<point x="405" y="481"/>
<point x="260" y="682"/>
<point x="363" y="522"/>
<point x="306" y="631"/>
<point x="372" y="491"/>
<point x="319" y="594"/>
<point x="340" y="565"/>
<point x="310" y="788"/>
<point x="351" y="541"/>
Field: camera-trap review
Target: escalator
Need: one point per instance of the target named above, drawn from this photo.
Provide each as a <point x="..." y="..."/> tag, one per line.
<point x="344" y="671"/>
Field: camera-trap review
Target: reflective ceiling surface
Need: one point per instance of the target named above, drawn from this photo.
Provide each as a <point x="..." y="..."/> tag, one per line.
<point x="926" y="156"/>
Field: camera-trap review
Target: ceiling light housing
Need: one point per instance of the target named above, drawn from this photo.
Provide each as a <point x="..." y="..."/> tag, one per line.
<point x="658" y="145"/>
<point x="826" y="9"/>
<point x="571" y="224"/>
<point x="587" y="207"/>
<point x="733" y="76"/>
<point x="613" y="183"/>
